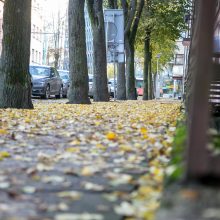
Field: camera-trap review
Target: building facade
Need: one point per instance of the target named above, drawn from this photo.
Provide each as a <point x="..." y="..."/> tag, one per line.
<point x="178" y="70"/>
<point x="37" y="25"/>
<point x="89" y="42"/>
<point x="49" y="34"/>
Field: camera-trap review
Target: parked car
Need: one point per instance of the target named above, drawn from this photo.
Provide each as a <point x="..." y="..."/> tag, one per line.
<point x="64" y="75"/>
<point x="46" y="81"/>
<point x="91" y="86"/>
<point x="111" y="86"/>
<point x="139" y="86"/>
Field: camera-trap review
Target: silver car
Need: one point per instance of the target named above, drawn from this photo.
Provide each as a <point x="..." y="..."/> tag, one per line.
<point x="64" y="75"/>
<point x="45" y="81"/>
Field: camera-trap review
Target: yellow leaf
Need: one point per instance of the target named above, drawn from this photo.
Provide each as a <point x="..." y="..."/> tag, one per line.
<point x="143" y="130"/>
<point x="111" y="136"/>
<point x="73" y="150"/>
<point x="27" y="120"/>
<point x="152" y="140"/>
<point x="4" y="154"/>
<point x="97" y="123"/>
<point x="3" y="131"/>
<point x="145" y="190"/>
<point x="87" y="171"/>
<point x="125" y="148"/>
<point x="75" y="142"/>
<point x="149" y="215"/>
<point x="73" y="195"/>
<point x="98" y="117"/>
<point x="145" y="136"/>
<point x="100" y="146"/>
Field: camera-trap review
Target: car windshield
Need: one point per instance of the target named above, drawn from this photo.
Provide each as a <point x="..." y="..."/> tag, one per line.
<point x="39" y="71"/>
<point x="64" y="75"/>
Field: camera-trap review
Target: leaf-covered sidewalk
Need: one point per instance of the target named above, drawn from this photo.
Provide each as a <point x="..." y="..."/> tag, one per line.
<point x="90" y="162"/>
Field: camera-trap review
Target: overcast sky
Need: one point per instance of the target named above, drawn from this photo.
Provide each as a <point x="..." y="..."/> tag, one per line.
<point x="52" y="6"/>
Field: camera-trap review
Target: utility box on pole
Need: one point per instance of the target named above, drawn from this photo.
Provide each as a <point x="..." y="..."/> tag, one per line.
<point x="114" y="29"/>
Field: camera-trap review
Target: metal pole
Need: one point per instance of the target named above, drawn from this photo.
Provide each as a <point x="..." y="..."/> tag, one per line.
<point x="114" y="77"/>
<point x="158" y="79"/>
<point x="157" y="65"/>
<point x="114" y="64"/>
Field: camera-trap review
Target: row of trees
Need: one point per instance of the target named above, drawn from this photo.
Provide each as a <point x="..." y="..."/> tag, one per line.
<point x="149" y="25"/>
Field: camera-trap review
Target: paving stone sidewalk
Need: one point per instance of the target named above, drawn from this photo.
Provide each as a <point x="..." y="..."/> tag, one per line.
<point x="66" y="162"/>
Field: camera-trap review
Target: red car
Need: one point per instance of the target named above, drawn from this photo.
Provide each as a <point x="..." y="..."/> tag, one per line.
<point x="139" y="86"/>
<point x="140" y="91"/>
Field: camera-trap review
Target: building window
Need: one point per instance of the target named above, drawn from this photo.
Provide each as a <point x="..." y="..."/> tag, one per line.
<point x="40" y="35"/>
<point x="179" y="60"/>
<point x="34" y="31"/>
<point x="36" y="56"/>
<point x="32" y="55"/>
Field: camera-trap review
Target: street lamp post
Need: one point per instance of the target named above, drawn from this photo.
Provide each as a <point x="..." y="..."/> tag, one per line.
<point x="158" y="77"/>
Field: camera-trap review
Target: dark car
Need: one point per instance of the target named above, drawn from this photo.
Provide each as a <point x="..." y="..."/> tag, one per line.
<point x="64" y="75"/>
<point x="46" y="81"/>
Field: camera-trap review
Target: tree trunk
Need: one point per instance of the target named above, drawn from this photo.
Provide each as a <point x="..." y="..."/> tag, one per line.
<point x="100" y="82"/>
<point x="15" y="81"/>
<point x="56" y="56"/>
<point x="132" y="15"/>
<point x="130" y="72"/>
<point x="78" y="92"/>
<point x="113" y="4"/>
<point x="121" y="82"/>
<point x="146" y="66"/>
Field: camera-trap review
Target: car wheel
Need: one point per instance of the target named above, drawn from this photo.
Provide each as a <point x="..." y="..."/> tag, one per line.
<point x="60" y="95"/>
<point x="47" y="93"/>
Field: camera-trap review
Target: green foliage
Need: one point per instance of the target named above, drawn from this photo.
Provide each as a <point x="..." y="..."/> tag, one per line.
<point x="216" y="142"/>
<point x="175" y="169"/>
<point x="164" y="20"/>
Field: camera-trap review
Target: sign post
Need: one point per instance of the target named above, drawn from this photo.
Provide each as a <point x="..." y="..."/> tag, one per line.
<point x="114" y="29"/>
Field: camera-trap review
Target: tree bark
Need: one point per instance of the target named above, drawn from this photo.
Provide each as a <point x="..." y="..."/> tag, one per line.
<point x="130" y="72"/>
<point x="56" y="58"/>
<point x="132" y="16"/>
<point x="113" y="4"/>
<point x="100" y="87"/>
<point x="146" y="66"/>
<point x="15" y="80"/>
<point x="78" y="92"/>
<point x="121" y="82"/>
